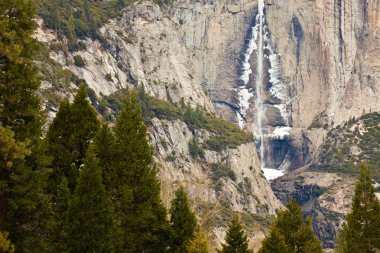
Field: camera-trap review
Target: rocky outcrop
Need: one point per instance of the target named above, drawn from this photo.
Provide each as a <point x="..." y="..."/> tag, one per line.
<point x="326" y="197"/>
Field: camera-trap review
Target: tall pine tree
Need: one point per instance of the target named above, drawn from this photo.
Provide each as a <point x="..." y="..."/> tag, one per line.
<point x="10" y="151"/>
<point x="91" y="220"/>
<point x="19" y="103"/>
<point x="104" y="149"/>
<point x="299" y="236"/>
<point x="274" y="242"/>
<point x="198" y="244"/>
<point x="182" y="221"/>
<point x="70" y="134"/>
<point x="22" y="195"/>
<point x="134" y="186"/>
<point x="236" y="240"/>
<point x="68" y="138"/>
<point x="362" y="231"/>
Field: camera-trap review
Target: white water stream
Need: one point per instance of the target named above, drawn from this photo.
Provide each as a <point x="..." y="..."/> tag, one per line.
<point x="259" y="83"/>
<point x="258" y="42"/>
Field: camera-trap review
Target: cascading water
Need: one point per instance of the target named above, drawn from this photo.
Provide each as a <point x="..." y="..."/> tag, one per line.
<point x="270" y="94"/>
<point x="259" y="84"/>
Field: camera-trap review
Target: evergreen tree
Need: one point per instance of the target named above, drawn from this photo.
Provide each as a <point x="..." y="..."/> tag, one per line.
<point x="103" y="148"/>
<point x="70" y="134"/>
<point x="91" y="220"/>
<point x="341" y="245"/>
<point x="29" y="205"/>
<point x="274" y="242"/>
<point x="236" y="240"/>
<point x="198" y="244"/>
<point x="362" y="231"/>
<point x="183" y="222"/>
<point x="19" y="103"/>
<point x="58" y="137"/>
<point x="135" y="189"/>
<point x="10" y="151"/>
<point x="298" y="235"/>
<point x="85" y="125"/>
<point x="23" y="187"/>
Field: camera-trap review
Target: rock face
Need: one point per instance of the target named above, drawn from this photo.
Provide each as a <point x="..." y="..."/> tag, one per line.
<point x="334" y="62"/>
<point x="330" y="56"/>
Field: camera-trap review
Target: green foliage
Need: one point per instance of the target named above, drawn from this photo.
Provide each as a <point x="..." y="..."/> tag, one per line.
<point x="221" y="171"/>
<point x="109" y="77"/>
<point x="274" y="242"/>
<point x="103" y="148"/>
<point x="53" y="72"/>
<point x="196" y="151"/>
<point x="79" y="61"/>
<point x="347" y="145"/>
<point x="236" y="240"/>
<point x="70" y="134"/>
<point x="362" y="231"/>
<point x="182" y="221"/>
<point x="29" y="207"/>
<point x="298" y="235"/>
<point x="341" y="245"/>
<point x="91" y="219"/>
<point x="198" y="244"/>
<point x="77" y="19"/>
<point x="5" y="245"/>
<point x="19" y="81"/>
<point x="134" y="188"/>
<point x="226" y="135"/>
<point x="152" y="107"/>
<point x="11" y="151"/>
<point x="24" y="206"/>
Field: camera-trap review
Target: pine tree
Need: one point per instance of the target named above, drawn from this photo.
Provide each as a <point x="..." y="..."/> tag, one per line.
<point x="85" y="125"/>
<point x="362" y="231"/>
<point x="135" y="190"/>
<point x="198" y="244"/>
<point x="20" y="105"/>
<point x="103" y="147"/>
<point x="58" y="137"/>
<point x="26" y="204"/>
<point x="91" y="220"/>
<point x="70" y="134"/>
<point x="236" y="240"/>
<point x="183" y="222"/>
<point x="298" y="235"/>
<point x="10" y="151"/>
<point x="29" y="205"/>
<point x="274" y="242"/>
<point x="341" y="245"/>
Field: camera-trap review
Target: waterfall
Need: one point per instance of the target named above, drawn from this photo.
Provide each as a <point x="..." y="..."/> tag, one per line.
<point x="259" y="84"/>
<point x="272" y="95"/>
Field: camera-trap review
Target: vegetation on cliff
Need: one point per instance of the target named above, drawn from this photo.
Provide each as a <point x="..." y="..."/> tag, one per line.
<point x="361" y="232"/>
<point x="349" y="144"/>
